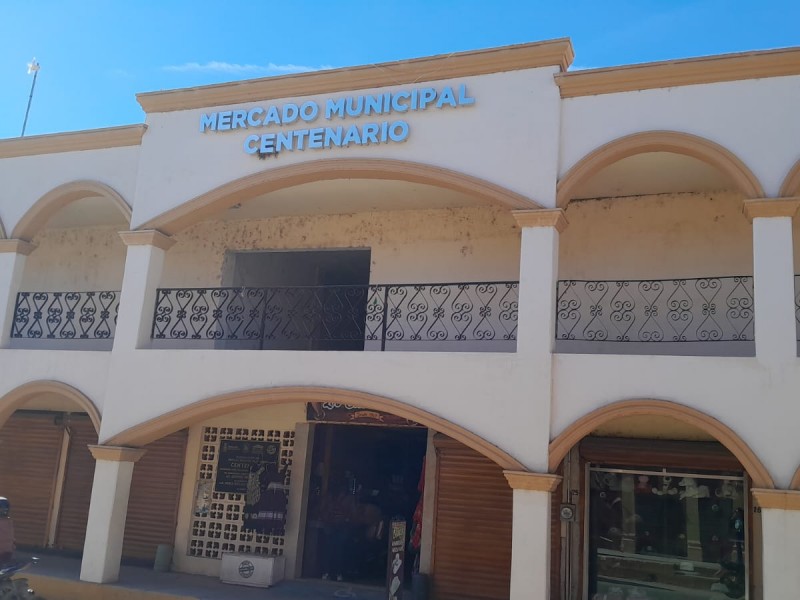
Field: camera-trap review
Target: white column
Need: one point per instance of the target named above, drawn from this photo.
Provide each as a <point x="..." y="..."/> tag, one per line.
<point x="780" y="527"/>
<point x="538" y="276"/>
<point x="144" y="262"/>
<point x="530" y="540"/>
<point x="12" y="265"/>
<point x="773" y="279"/>
<point x="105" y="528"/>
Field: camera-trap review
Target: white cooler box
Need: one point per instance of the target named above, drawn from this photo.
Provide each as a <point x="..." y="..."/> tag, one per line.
<point x="251" y="569"/>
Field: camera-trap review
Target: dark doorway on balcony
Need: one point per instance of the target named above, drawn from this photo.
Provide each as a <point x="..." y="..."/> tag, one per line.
<point x="313" y="299"/>
<point x="362" y="477"/>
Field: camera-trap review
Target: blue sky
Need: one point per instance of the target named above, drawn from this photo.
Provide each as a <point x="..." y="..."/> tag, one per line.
<point x="96" y="55"/>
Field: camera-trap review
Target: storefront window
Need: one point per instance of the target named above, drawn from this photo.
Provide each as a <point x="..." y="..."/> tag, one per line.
<point x="666" y="536"/>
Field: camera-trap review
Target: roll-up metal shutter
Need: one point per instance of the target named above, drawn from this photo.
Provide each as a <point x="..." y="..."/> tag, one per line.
<point x="30" y="448"/>
<point x="77" y="489"/>
<point x="155" y="493"/>
<point x="472" y="536"/>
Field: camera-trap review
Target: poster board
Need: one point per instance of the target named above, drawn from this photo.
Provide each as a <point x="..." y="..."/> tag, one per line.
<point x="253" y="470"/>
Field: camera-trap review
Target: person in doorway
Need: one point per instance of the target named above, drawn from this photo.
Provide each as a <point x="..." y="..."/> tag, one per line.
<point x="7" y="545"/>
<point x="337" y="513"/>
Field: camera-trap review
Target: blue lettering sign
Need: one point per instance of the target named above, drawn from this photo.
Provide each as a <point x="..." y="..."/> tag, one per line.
<point x="343" y="107"/>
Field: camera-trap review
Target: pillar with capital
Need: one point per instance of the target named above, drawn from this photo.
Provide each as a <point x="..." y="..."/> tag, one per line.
<point x="530" y="538"/>
<point x="144" y="262"/>
<point x="105" y="528"/>
<point x="773" y="278"/>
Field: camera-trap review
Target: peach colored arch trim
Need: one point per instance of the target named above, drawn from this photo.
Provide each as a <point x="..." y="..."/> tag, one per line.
<point x="795" y="485"/>
<point x="18" y="396"/>
<point x="791" y="185"/>
<point x="156" y="428"/>
<point x="45" y="207"/>
<point x="659" y="141"/>
<point x="562" y="444"/>
<point x="3" y="235"/>
<point x="278" y="178"/>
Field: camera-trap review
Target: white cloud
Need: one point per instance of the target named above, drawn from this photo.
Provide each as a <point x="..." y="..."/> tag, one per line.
<point x="239" y="69"/>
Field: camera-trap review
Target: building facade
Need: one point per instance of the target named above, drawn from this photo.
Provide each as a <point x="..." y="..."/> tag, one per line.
<point x="546" y="317"/>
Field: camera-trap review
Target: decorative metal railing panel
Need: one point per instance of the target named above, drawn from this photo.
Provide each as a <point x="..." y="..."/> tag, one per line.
<point x="708" y="309"/>
<point x="65" y="315"/>
<point x="339" y="317"/>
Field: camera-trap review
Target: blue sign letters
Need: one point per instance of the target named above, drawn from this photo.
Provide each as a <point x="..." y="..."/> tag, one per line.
<point x="342" y="108"/>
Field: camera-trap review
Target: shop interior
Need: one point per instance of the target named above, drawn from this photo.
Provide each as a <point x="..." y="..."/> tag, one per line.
<point x="362" y="477"/>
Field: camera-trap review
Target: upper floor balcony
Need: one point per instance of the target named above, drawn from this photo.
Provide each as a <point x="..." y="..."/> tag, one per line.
<point x="424" y="269"/>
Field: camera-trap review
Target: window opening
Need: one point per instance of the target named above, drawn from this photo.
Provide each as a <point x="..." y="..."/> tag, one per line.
<point x="666" y="535"/>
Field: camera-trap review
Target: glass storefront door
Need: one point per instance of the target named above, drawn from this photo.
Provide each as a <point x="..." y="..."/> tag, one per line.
<point x="660" y="535"/>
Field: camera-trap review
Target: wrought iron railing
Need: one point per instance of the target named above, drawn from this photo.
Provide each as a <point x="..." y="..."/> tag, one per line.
<point x="65" y="315"/>
<point x="339" y="317"/>
<point x="708" y="309"/>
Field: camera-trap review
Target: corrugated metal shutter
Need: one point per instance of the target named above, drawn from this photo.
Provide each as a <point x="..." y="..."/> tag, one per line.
<point x="30" y="445"/>
<point x="153" y="503"/>
<point x="77" y="489"/>
<point x="472" y="536"/>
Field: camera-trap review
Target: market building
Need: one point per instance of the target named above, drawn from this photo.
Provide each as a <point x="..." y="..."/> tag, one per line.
<point x="545" y="317"/>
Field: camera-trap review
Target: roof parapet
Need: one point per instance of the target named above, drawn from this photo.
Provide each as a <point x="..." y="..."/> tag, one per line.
<point x="445" y="66"/>
<point x="673" y="73"/>
<point x="73" y="141"/>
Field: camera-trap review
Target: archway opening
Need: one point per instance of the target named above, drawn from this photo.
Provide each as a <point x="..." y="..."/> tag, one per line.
<point x="415" y="224"/>
<point x="652" y="162"/>
<point x="661" y="498"/>
<point x="319" y="469"/>
<point x="69" y="294"/>
<point x="656" y="217"/>
<point x="257" y="185"/>
<point x="45" y="466"/>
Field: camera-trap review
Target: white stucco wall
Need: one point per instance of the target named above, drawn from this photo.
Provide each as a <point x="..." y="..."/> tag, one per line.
<point x="755" y="119"/>
<point x="28" y="178"/>
<point x="657" y="237"/>
<point x="85" y="371"/>
<point x="463" y="388"/>
<point x="467" y="244"/>
<point x="507" y="137"/>
<point x="75" y="259"/>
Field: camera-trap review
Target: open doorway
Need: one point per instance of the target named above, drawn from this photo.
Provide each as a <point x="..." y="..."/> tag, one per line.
<point x="362" y="477"/>
<point x="306" y="299"/>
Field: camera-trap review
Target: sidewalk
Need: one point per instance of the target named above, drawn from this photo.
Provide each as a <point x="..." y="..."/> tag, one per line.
<point x="57" y="578"/>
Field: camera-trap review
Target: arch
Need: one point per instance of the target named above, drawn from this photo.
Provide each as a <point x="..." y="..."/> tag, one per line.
<point x="659" y="141"/>
<point x="3" y="235"/>
<point x="45" y="207"/>
<point x="562" y="444"/>
<point x="18" y="396"/>
<point x="158" y="427"/>
<point x="791" y="184"/>
<point x="287" y="176"/>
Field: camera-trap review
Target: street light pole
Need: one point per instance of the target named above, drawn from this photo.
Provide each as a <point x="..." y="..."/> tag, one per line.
<point x="33" y="67"/>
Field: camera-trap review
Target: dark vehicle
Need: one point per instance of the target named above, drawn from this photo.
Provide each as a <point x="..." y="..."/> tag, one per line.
<point x="11" y="589"/>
